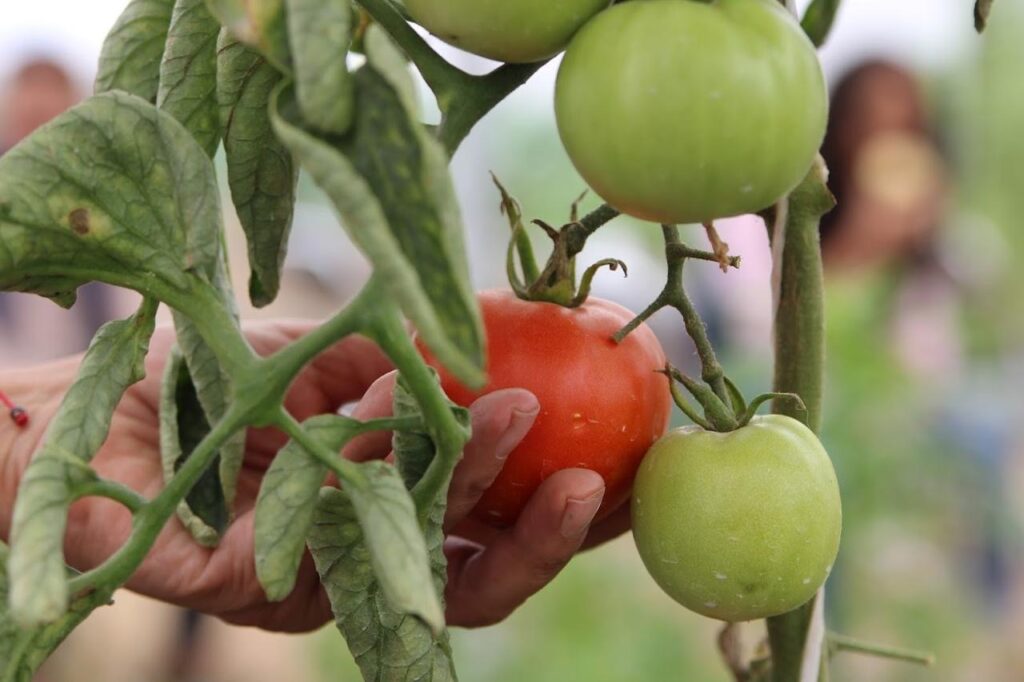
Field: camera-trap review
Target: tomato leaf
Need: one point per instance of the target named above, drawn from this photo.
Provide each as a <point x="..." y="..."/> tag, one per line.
<point x="188" y="91"/>
<point x="388" y="180"/>
<point x="22" y="651"/>
<point x="261" y="172"/>
<point x="131" y="54"/>
<point x="818" y="20"/>
<point x="112" y="190"/>
<point x="386" y="643"/>
<point x="183" y="425"/>
<point x="414" y="451"/>
<point x="260" y="23"/>
<point x="320" y="32"/>
<point x="39" y="590"/>
<point x="982" y="9"/>
<point x="288" y="496"/>
<point x="188" y="72"/>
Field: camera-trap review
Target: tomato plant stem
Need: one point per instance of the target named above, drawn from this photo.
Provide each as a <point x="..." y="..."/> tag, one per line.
<point x="799" y="360"/>
<point x="674" y="296"/>
<point x="448" y="435"/>
<point x="150" y="520"/>
<point x="112" y="490"/>
<point x="838" y="642"/>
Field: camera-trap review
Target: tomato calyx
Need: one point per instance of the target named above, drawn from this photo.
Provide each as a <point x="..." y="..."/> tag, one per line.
<point x="556" y="282"/>
<point x="719" y="415"/>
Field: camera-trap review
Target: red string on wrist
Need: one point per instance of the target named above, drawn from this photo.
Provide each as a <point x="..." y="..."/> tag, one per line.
<point x="18" y="414"/>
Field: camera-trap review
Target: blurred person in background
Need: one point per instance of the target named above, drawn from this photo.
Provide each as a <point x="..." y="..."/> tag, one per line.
<point x="40" y="89"/>
<point x="896" y="282"/>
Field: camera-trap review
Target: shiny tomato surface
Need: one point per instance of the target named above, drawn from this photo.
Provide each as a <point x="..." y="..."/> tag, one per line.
<point x="602" y="404"/>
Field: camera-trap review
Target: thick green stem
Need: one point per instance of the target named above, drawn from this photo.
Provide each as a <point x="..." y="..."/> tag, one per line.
<point x="443" y="78"/>
<point x="463" y="107"/>
<point x="282" y="367"/>
<point x="463" y="98"/>
<point x="150" y="520"/>
<point x="448" y="435"/>
<point x="799" y="360"/>
<point x="217" y="325"/>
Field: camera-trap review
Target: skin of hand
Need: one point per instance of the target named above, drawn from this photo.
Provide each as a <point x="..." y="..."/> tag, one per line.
<point x="490" y="572"/>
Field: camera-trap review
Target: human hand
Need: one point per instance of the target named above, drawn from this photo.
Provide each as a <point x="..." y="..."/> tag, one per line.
<point x="490" y="572"/>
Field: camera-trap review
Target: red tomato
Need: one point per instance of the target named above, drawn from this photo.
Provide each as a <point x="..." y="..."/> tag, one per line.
<point x="602" y="404"/>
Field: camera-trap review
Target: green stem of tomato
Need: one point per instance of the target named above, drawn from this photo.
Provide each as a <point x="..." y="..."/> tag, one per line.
<point x="448" y="435"/>
<point x="799" y="360"/>
<point x="674" y="296"/>
<point x="463" y="98"/>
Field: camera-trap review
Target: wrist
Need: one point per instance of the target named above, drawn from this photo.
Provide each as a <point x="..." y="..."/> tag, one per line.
<point x="38" y="390"/>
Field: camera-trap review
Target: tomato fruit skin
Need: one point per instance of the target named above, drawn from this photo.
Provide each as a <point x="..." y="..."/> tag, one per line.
<point x="602" y="404"/>
<point x="742" y="525"/>
<point x="684" y="112"/>
<point x="516" y="31"/>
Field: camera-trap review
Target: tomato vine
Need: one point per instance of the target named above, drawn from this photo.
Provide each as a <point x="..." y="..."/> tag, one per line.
<point x="132" y="200"/>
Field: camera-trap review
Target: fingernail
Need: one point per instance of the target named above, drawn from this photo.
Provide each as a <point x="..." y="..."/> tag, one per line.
<point x="579" y="512"/>
<point x="518" y="425"/>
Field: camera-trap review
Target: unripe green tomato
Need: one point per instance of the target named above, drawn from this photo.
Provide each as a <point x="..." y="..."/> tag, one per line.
<point x="678" y="111"/>
<point x="518" y="31"/>
<point x="742" y="525"/>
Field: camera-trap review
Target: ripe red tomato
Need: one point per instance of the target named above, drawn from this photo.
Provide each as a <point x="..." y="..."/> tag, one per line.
<point x="602" y="404"/>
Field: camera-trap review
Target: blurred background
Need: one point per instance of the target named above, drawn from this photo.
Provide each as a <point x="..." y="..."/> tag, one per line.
<point x="924" y="418"/>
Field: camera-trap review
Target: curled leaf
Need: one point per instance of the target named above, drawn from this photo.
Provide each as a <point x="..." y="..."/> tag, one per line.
<point x="188" y="72"/>
<point x="387" y="643"/>
<point x="263" y="24"/>
<point x="261" y="172"/>
<point x="284" y="509"/>
<point x="183" y="425"/>
<point x="132" y="52"/>
<point x="321" y="31"/>
<point x="388" y="180"/>
<point x="39" y="590"/>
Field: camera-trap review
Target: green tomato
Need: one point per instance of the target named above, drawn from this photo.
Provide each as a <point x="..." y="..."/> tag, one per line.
<point x="518" y="31"/>
<point x="740" y="525"/>
<point x="679" y="111"/>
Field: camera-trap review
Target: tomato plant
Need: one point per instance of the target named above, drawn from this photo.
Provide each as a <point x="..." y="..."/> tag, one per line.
<point x="718" y="107"/>
<point x="602" y="403"/>
<point x="517" y="32"/>
<point x="673" y="110"/>
<point x="738" y="525"/>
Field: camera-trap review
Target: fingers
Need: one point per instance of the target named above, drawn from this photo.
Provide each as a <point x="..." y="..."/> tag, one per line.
<point x="377" y="403"/>
<point x="486" y="584"/>
<point x="500" y="420"/>
<point x="339" y="375"/>
<point x="609" y="527"/>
